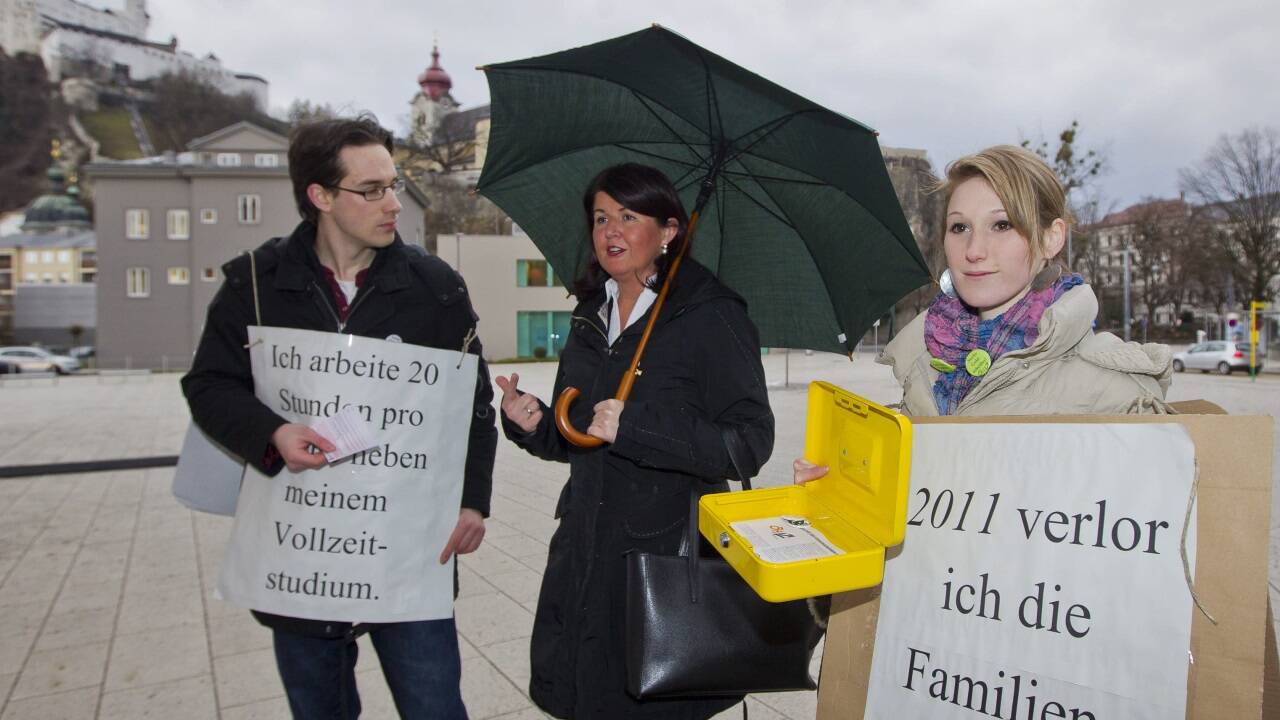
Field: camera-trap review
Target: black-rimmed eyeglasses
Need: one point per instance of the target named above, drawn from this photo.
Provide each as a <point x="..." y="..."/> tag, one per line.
<point x="375" y="194"/>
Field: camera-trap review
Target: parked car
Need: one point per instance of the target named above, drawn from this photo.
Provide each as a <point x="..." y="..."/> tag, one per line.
<point x="8" y="367"/>
<point x="34" y="359"/>
<point x="80" y="352"/>
<point x="1222" y="356"/>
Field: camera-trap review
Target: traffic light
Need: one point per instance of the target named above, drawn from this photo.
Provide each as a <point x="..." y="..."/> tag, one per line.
<point x="1232" y="320"/>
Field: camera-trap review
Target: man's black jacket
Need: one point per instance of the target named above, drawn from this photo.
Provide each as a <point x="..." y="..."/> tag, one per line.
<point x="406" y="293"/>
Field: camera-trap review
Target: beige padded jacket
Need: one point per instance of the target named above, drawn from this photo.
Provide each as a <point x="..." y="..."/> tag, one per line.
<point x="1069" y="370"/>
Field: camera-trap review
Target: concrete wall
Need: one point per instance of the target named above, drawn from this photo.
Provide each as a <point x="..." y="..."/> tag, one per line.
<point x="44" y="314"/>
<point x="488" y="264"/>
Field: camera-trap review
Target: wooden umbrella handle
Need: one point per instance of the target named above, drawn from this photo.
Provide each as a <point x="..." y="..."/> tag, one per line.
<point x="582" y="440"/>
<point x="569" y="394"/>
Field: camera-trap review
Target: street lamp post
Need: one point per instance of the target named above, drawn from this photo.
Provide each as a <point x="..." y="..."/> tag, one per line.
<point x="1127" y="311"/>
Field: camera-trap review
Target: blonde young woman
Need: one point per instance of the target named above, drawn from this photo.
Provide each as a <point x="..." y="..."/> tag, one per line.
<point x="1011" y="333"/>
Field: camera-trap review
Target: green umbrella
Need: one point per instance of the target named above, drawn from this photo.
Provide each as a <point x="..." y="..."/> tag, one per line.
<point x="798" y="214"/>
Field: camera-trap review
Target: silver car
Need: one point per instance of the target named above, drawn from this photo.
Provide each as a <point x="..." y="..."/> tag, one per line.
<point x="35" y="359"/>
<point x="1221" y="356"/>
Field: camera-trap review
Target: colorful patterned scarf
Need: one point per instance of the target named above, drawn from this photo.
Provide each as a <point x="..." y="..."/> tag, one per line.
<point x="952" y="330"/>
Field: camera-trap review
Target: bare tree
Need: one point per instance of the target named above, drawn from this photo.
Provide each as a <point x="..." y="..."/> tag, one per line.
<point x="443" y="149"/>
<point x="303" y="111"/>
<point x="453" y="209"/>
<point x="1239" y="182"/>
<point x="1076" y="169"/>
<point x="913" y="182"/>
<point x="1153" y="239"/>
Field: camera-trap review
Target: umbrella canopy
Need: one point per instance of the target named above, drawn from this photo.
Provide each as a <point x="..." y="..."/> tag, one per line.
<point x="802" y="221"/>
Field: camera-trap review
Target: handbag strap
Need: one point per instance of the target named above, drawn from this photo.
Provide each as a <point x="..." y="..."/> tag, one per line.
<point x="733" y="446"/>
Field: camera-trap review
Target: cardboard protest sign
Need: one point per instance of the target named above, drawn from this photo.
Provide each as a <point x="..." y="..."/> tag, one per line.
<point x="358" y="540"/>
<point x="1223" y="669"/>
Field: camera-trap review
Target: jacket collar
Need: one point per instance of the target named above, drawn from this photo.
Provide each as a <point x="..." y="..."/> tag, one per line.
<point x="299" y="265"/>
<point x="693" y="285"/>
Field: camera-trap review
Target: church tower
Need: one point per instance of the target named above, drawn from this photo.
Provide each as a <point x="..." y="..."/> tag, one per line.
<point x="432" y="102"/>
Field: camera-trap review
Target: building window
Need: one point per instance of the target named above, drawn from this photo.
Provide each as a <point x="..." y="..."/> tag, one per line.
<point x="541" y="334"/>
<point x="46" y="256"/>
<point x="48" y="278"/>
<point x="137" y="224"/>
<point x="208" y="216"/>
<point x="250" y="209"/>
<point x="266" y="160"/>
<point x="64" y="256"/>
<point x="209" y="275"/>
<point x="536" y="273"/>
<point x="138" y="282"/>
<point x="179" y="276"/>
<point x="30" y="277"/>
<point x="228" y="159"/>
<point x="31" y="256"/>
<point x="178" y="223"/>
<point x="64" y="277"/>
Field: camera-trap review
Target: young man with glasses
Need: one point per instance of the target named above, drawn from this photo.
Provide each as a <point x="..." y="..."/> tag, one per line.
<point x="344" y="269"/>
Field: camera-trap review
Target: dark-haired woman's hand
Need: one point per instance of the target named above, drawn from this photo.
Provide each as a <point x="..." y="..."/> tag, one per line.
<point x="523" y="409"/>
<point x="604" y="424"/>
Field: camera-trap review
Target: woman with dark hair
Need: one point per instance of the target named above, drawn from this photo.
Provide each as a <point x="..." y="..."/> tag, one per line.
<point x="699" y="414"/>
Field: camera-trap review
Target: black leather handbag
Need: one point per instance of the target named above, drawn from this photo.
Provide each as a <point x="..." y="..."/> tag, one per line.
<point x="694" y="627"/>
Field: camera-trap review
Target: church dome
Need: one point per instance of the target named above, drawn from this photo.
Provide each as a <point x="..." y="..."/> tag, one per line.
<point x="57" y="208"/>
<point x="434" y="81"/>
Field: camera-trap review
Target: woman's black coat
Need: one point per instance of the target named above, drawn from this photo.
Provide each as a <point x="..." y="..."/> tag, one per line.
<point x="702" y="382"/>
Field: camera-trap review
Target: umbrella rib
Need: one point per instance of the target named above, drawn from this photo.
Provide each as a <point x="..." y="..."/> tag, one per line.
<point x="713" y="105"/>
<point x="645" y="102"/>
<point x="780" y="218"/>
<point x="627" y="146"/>
<point x="825" y="285"/>
<point x="757" y="176"/>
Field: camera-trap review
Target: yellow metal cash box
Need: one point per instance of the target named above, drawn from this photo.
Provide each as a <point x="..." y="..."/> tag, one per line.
<point x="857" y="510"/>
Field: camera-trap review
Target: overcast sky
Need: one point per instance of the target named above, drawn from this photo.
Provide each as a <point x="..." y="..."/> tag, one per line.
<point x="1153" y="84"/>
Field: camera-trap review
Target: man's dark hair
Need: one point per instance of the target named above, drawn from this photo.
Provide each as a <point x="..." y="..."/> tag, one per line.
<point x="313" y="153"/>
<point x="638" y="188"/>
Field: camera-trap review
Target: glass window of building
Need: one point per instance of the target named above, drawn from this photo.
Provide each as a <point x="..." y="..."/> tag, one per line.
<point x="208" y="216"/>
<point x="64" y="256"/>
<point x="541" y="334"/>
<point x="46" y="256"/>
<point x="209" y="275"/>
<point x="31" y="256"/>
<point x="536" y="273"/>
<point x="266" y="160"/>
<point x="179" y="224"/>
<point x="250" y="209"/>
<point x="137" y="282"/>
<point x="137" y="223"/>
<point x="228" y="159"/>
<point x="179" y="276"/>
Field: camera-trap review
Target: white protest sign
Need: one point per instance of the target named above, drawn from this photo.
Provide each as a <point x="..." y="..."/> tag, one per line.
<point x="1041" y="575"/>
<point x="359" y="540"/>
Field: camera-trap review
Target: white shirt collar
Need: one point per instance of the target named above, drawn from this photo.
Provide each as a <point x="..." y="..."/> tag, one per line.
<point x="646" y="299"/>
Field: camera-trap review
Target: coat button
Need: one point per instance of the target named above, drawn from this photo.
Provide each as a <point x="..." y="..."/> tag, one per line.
<point x="1026" y="364"/>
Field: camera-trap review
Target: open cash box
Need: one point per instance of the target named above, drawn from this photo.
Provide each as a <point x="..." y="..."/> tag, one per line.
<point x="830" y="534"/>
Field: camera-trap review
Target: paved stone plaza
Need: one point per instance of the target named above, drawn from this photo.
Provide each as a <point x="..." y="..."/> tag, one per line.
<point x="105" y="602"/>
